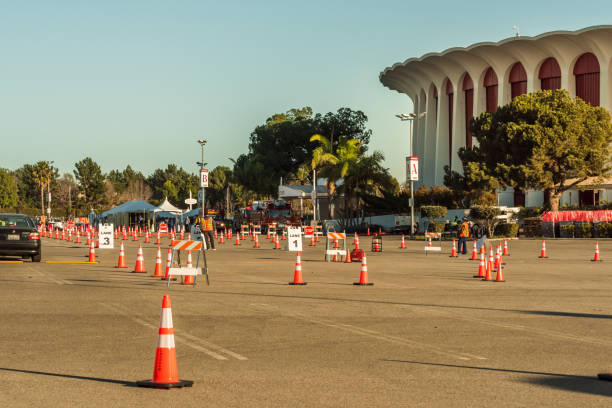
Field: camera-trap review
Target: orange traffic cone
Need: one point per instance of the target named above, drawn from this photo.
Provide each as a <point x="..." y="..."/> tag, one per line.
<point x="284" y="236"/>
<point x="77" y="240"/>
<point x="363" y="277"/>
<point x="474" y="252"/>
<point x="124" y="235"/>
<point x="256" y="244"/>
<point x="168" y="265"/>
<point x="297" y="273"/>
<point x="121" y="261"/>
<point x="140" y="268"/>
<point x="403" y="244"/>
<point x="506" y="253"/>
<point x="500" y="274"/>
<point x="453" y="251"/>
<point x="165" y="370"/>
<point x="276" y="243"/>
<point x="92" y="253"/>
<point x="335" y="253"/>
<point x="157" y="240"/>
<point x="158" y="265"/>
<point x="69" y="236"/>
<point x="482" y="268"/>
<point x="347" y="257"/>
<point x="268" y="234"/>
<point x="188" y="279"/>
<point x="368" y="231"/>
<point x="488" y="275"/>
<point x="543" y="250"/>
<point x="135" y="237"/>
<point x="596" y="256"/>
<point x="312" y="241"/>
<point x="356" y="241"/>
<point x="146" y="237"/>
<point x="63" y="235"/>
<point x="237" y="239"/>
<point x="221" y="238"/>
<point x="429" y="245"/>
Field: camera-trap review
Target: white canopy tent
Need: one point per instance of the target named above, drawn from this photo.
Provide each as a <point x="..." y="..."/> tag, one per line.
<point x="167" y="207"/>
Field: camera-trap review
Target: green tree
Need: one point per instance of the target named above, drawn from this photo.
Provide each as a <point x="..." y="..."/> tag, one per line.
<point x="91" y="185"/>
<point x="183" y="181"/>
<point x="543" y="141"/>
<point x="169" y="191"/>
<point x="8" y="190"/>
<point x="43" y="173"/>
<point x="221" y="189"/>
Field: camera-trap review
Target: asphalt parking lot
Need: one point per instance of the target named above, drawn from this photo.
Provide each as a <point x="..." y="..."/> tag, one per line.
<point x="426" y="333"/>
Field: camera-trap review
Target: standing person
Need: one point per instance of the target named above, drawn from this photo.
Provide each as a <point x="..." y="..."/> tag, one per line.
<point x="464" y="234"/>
<point x="207" y="226"/>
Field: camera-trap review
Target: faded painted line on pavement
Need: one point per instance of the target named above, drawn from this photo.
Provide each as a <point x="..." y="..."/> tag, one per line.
<point x="370" y="333"/>
<point x="48" y="276"/>
<point x="518" y="327"/>
<point x="182" y="334"/>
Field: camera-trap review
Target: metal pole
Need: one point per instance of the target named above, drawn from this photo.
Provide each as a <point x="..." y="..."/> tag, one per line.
<point x="411" y="190"/>
<point x="202" y="188"/>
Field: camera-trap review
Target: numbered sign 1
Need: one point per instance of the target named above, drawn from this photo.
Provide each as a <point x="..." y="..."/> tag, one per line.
<point x="105" y="236"/>
<point x="294" y="239"/>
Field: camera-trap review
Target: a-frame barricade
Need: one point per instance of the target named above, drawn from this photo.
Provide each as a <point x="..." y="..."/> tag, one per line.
<point x="330" y="251"/>
<point x="189" y="245"/>
<point x="433" y="236"/>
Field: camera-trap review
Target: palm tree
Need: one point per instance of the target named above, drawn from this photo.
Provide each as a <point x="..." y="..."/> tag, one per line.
<point x="42" y="173"/>
<point x="334" y="165"/>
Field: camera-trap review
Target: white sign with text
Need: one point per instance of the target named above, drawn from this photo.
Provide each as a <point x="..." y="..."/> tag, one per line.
<point x="294" y="239"/>
<point x="105" y="236"/>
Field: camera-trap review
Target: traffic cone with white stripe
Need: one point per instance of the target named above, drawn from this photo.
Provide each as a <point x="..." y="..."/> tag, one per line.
<point x="121" y="261"/>
<point x="69" y="235"/>
<point x="135" y="237"/>
<point x="363" y="276"/>
<point x="165" y="370"/>
<point x="429" y="245"/>
<point x="221" y="238"/>
<point x="168" y="266"/>
<point x="77" y="240"/>
<point x="489" y="273"/>
<point x="482" y="268"/>
<point x="356" y="241"/>
<point x="139" y="268"/>
<point x="147" y="237"/>
<point x="297" y="272"/>
<point x="276" y="243"/>
<point x="596" y="256"/>
<point x="543" y="250"/>
<point x="256" y="244"/>
<point x="474" y="252"/>
<point x="284" y="236"/>
<point x="158" y="239"/>
<point x="506" y="253"/>
<point x="188" y="279"/>
<point x="336" y="248"/>
<point x="500" y="273"/>
<point x="92" y="253"/>
<point x="158" y="265"/>
<point x="237" y="240"/>
<point x="312" y="241"/>
<point x="268" y="234"/>
<point x="402" y="244"/>
<point x="453" y="251"/>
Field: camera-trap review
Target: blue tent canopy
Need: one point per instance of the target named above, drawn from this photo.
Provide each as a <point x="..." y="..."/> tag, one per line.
<point x="129" y="207"/>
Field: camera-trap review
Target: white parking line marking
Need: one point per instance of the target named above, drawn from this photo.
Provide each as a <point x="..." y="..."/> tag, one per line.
<point x="180" y="335"/>
<point x="370" y="333"/>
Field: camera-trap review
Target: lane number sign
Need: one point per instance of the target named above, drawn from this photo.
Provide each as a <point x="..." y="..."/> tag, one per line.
<point x="105" y="236"/>
<point x="294" y="239"/>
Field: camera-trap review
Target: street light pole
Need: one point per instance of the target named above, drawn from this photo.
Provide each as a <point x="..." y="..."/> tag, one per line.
<point x="202" y="143"/>
<point x="411" y="117"/>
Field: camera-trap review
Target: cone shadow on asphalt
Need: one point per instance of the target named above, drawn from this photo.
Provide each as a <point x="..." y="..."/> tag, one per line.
<point x="567" y="382"/>
<point x="75" y="377"/>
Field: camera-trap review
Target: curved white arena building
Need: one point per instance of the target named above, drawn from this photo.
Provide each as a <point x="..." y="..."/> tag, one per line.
<point x="459" y="83"/>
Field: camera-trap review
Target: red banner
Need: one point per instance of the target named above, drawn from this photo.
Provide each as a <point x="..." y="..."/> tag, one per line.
<point x="581" y="216"/>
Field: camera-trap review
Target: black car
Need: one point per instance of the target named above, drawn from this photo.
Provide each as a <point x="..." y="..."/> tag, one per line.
<point x="19" y="237"/>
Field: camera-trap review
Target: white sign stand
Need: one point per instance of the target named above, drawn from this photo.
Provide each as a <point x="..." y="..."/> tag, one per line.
<point x="294" y="239"/>
<point x="105" y="236"/>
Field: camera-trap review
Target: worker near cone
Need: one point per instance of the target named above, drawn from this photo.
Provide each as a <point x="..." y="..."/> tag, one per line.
<point x="165" y="369"/>
<point x="207" y="227"/>
<point x="464" y="234"/>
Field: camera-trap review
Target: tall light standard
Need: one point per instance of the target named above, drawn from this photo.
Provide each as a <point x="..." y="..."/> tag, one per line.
<point x="202" y="143"/>
<point x="50" y="164"/>
<point x="411" y="117"/>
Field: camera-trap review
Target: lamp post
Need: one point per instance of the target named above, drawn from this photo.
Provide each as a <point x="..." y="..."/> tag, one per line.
<point x="50" y="164"/>
<point x="411" y="117"/>
<point x="202" y="143"/>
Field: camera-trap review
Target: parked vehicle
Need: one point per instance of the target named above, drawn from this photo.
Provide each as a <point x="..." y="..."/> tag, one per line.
<point x="19" y="237"/>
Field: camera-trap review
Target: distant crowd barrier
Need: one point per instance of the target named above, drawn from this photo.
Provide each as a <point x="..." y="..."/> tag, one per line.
<point x="581" y="216"/>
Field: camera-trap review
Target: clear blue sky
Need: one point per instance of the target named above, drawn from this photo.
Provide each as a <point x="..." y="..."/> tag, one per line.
<point x="138" y="82"/>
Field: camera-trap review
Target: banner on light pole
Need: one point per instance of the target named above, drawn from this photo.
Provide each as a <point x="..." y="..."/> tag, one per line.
<point x="412" y="168"/>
